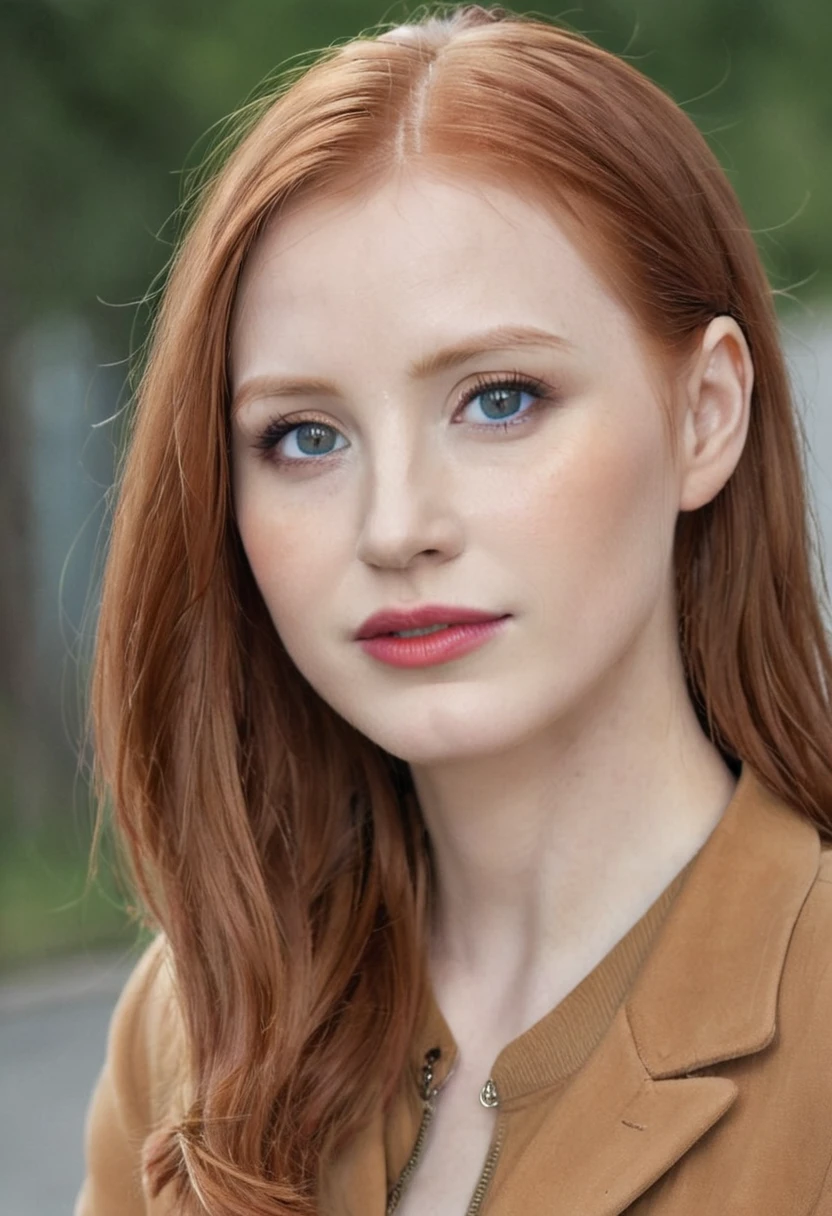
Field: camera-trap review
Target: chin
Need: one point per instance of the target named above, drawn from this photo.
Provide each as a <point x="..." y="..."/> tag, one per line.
<point x="442" y="743"/>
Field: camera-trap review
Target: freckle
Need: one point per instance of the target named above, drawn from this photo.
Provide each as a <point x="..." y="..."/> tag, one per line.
<point x="640" y="1127"/>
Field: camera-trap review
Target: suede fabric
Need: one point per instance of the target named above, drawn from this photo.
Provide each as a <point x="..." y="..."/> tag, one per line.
<point x="689" y="1073"/>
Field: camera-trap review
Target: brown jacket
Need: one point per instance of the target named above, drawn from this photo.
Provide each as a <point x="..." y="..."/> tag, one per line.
<point x="709" y="1093"/>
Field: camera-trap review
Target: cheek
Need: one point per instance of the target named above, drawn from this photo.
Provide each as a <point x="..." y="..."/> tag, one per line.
<point x="294" y="554"/>
<point x="600" y="514"/>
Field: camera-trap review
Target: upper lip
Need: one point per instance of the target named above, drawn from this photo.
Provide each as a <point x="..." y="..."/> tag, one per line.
<point x="392" y="620"/>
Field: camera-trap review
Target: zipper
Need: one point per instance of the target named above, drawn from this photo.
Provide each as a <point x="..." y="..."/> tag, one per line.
<point x="429" y="1092"/>
<point x="486" y="1175"/>
<point x="428" y="1095"/>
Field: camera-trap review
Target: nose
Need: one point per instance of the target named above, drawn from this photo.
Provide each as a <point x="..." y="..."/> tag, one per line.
<point x="409" y="508"/>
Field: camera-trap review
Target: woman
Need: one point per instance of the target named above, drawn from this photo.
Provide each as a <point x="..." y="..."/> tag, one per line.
<point x="532" y="914"/>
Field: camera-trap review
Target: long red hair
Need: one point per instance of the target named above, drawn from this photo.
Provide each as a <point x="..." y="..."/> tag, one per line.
<point x="280" y="851"/>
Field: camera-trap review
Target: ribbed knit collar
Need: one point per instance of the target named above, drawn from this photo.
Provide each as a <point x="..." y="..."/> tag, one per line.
<point x="555" y="1046"/>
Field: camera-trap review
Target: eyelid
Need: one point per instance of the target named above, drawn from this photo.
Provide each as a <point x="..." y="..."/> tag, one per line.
<point x="512" y="379"/>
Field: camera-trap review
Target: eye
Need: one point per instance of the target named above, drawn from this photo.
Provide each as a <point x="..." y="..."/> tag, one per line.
<point x="309" y="437"/>
<point x="308" y="440"/>
<point x="501" y="399"/>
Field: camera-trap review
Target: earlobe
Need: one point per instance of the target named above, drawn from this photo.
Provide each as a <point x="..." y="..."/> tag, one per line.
<point x="717" y="405"/>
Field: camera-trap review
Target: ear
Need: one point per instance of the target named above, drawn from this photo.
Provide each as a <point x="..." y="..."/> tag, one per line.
<point x="716" y="404"/>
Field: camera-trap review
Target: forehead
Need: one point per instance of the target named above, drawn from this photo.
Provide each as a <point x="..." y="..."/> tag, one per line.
<point x="416" y="259"/>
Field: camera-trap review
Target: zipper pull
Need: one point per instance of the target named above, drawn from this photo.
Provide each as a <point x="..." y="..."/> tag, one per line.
<point x="488" y="1094"/>
<point x="431" y="1057"/>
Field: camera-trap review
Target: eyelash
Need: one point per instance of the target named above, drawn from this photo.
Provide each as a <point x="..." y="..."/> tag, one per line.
<point x="280" y="426"/>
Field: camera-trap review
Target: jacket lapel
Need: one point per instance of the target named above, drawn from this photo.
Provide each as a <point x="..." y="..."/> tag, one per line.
<point x="613" y="1132"/>
<point x="706" y="993"/>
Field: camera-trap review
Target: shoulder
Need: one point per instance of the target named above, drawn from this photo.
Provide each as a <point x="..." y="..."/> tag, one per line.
<point x="825" y="867"/>
<point x="817" y="907"/>
<point x="806" y="987"/>
<point x="139" y="1087"/>
<point x="146" y="1038"/>
<point x="801" y="1092"/>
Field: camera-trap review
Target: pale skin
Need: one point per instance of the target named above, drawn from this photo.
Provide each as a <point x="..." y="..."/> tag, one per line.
<point x="561" y="769"/>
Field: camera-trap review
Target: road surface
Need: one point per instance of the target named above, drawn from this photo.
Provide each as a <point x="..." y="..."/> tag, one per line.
<point x="53" y="1029"/>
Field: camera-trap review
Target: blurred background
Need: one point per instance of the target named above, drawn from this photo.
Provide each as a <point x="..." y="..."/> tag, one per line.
<point x="108" y="105"/>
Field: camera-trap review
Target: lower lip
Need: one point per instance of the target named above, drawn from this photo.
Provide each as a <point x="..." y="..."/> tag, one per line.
<point x="432" y="648"/>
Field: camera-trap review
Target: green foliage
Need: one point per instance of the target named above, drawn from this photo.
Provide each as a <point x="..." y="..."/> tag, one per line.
<point x="753" y="75"/>
<point x="46" y="905"/>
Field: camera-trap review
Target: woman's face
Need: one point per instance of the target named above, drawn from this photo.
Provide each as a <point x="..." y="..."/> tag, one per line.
<point x="406" y="325"/>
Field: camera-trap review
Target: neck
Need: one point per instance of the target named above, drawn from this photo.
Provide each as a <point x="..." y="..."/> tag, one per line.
<point x="546" y="854"/>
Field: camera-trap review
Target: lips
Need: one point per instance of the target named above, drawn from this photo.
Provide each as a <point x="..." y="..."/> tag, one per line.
<point x="393" y="620"/>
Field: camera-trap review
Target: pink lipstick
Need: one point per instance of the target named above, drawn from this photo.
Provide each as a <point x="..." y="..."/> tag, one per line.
<point x="457" y="632"/>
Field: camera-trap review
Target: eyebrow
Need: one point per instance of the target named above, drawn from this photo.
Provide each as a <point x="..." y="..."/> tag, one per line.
<point x="500" y="338"/>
